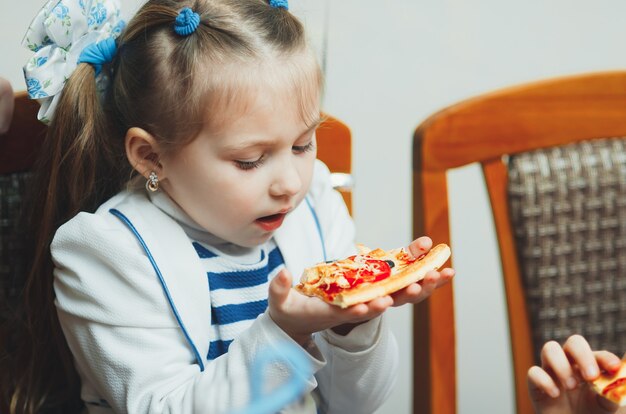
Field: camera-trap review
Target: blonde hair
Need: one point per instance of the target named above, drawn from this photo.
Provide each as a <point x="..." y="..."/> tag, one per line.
<point x="165" y="84"/>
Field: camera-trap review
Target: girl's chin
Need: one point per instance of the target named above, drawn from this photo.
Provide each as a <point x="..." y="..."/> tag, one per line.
<point x="254" y="241"/>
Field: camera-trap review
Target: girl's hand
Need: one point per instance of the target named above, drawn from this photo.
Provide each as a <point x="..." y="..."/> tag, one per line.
<point x="559" y="385"/>
<point x="417" y="292"/>
<point x="300" y="316"/>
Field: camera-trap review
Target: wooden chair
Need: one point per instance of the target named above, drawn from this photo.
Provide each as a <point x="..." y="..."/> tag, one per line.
<point x="18" y="148"/>
<point x="536" y="143"/>
<point x="334" y="147"/>
<point x="18" y="151"/>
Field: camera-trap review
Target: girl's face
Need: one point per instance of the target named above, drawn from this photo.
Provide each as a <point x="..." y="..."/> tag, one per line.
<point x="240" y="180"/>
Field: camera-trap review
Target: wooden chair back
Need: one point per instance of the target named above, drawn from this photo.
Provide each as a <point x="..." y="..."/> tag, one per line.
<point x="18" y="147"/>
<point x="334" y="148"/>
<point x="18" y="151"/>
<point x="486" y="130"/>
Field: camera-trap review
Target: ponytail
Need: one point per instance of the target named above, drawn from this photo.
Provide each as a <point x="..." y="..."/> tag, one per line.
<point x="72" y="174"/>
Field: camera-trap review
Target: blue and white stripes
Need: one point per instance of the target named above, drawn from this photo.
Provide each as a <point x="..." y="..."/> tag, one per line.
<point x="238" y="292"/>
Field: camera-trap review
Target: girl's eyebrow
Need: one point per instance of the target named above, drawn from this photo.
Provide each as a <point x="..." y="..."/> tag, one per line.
<point x="266" y="143"/>
<point x="313" y="127"/>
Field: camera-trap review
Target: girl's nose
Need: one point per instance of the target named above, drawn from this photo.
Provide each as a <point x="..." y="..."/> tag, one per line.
<point x="287" y="181"/>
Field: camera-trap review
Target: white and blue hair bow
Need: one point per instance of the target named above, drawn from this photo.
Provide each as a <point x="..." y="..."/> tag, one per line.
<point x="58" y="35"/>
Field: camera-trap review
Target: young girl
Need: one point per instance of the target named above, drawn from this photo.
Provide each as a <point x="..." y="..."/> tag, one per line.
<point x="558" y="386"/>
<point x="198" y="126"/>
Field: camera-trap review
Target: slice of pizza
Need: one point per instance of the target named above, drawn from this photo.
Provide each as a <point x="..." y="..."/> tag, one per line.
<point x="612" y="387"/>
<point x="369" y="274"/>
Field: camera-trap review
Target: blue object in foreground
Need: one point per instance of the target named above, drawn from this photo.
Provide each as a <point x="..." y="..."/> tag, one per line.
<point x="293" y="388"/>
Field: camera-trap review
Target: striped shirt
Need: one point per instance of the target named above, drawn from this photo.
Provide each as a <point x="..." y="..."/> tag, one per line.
<point x="238" y="290"/>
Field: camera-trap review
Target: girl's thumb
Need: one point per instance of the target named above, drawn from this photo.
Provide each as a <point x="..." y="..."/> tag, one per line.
<point x="280" y="286"/>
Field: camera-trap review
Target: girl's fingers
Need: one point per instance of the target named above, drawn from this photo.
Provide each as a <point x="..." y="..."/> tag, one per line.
<point x="379" y="305"/>
<point x="279" y="287"/>
<point x="553" y="359"/>
<point x="433" y="280"/>
<point x="420" y="246"/>
<point x="579" y="352"/>
<point x="414" y="293"/>
<point x="445" y="276"/>
<point x="366" y="311"/>
<point x="608" y="361"/>
<point x="409" y="294"/>
<point x="414" y="290"/>
<point x="417" y="292"/>
<point x="540" y="381"/>
<point x="430" y="283"/>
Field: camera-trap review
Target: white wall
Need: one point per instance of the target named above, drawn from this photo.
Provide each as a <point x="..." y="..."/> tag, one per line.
<point x="390" y="65"/>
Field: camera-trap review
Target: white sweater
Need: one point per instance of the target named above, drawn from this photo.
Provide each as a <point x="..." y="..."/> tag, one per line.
<point x="140" y="345"/>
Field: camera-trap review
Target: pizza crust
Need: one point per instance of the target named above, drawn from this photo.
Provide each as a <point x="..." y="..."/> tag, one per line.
<point x="618" y="393"/>
<point x="366" y="292"/>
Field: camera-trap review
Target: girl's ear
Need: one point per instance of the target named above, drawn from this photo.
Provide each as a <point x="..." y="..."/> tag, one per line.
<point x="143" y="152"/>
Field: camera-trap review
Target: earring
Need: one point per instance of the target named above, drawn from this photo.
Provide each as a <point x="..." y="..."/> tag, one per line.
<point x="152" y="184"/>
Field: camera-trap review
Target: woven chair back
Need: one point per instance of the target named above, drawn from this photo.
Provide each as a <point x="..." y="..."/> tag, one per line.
<point x="568" y="212"/>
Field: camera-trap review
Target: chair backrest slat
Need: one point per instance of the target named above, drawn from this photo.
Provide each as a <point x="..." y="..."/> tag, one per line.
<point x="334" y="148"/>
<point x="496" y="180"/>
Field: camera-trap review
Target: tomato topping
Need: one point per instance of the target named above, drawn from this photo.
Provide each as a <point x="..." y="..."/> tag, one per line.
<point x="372" y="270"/>
<point x="613" y="388"/>
<point x="406" y="259"/>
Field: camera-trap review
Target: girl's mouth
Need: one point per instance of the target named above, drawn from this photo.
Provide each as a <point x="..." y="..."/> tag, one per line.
<point x="270" y="223"/>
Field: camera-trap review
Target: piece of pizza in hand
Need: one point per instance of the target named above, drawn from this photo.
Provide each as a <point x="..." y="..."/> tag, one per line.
<point x="612" y="387"/>
<point x="369" y="274"/>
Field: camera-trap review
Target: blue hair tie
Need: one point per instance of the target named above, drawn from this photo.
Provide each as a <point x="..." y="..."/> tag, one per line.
<point x="187" y="22"/>
<point x="98" y="53"/>
<point x="280" y="4"/>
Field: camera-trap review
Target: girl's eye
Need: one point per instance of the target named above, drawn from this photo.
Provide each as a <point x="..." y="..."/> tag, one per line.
<point x="248" y="165"/>
<point x="301" y="149"/>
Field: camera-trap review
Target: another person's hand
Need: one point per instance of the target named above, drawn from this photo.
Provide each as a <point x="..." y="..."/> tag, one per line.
<point x="560" y="386"/>
<point x="7" y="102"/>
